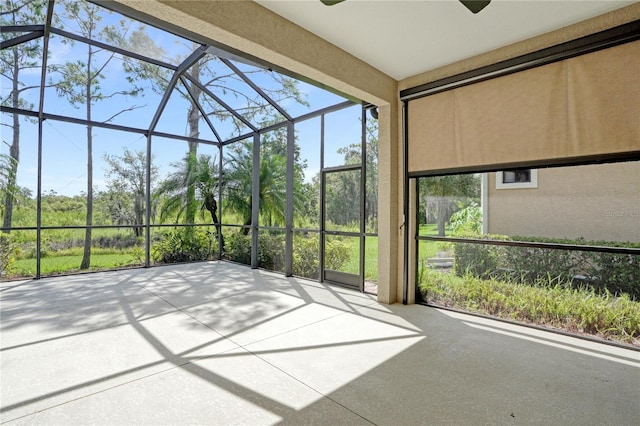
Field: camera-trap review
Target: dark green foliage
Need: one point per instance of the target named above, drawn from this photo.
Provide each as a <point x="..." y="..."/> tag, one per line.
<point x="238" y="248"/>
<point x="343" y="198"/>
<point x="271" y="253"/>
<point x="532" y="263"/>
<point x="118" y="241"/>
<point x="184" y="245"/>
<point x="616" y="273"/>
<point x="603" y="272"/>
<point x="476" y="259"/>
<point x="270" y="250"/>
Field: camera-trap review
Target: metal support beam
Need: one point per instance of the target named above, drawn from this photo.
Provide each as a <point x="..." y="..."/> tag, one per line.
<point x="147" y="234"/>
<point x="203" y="113"/>
<point x="322" y="204"/>
<point x="112" y="48"/>
<point x="363" y="194"/>
<point x="5" y="44"/>
<point x="255" y="200"/>
<point x="256" y="88"/>
<point x="288" y="247"/>
<point x="191" y="59"/>
<point x="220" y="183"/>
<point x="43" y="78"/>
<point x="222" y="103"/>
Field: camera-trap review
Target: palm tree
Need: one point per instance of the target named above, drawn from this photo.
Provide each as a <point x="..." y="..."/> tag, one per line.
<point x="194" y="177"/>
<point x="272" y="193"/>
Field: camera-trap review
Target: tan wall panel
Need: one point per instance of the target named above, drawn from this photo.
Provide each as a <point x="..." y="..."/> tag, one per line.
<point x="597" y="202"/>
<point x="604" y="100"/>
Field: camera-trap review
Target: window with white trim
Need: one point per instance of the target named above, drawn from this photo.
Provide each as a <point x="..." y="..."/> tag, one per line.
<point x="517" y="179"/>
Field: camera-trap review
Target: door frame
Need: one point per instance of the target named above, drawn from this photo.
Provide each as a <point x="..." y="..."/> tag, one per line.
<point x="329" y="275"/>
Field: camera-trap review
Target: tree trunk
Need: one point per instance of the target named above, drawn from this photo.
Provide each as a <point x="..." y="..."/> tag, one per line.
<point x="212" y="206"/>
<point x="247" y="228"/>
<point x="138" y="208"/>
<point x="191" y="207"/>
<point x="14" y="151"/>
<point x="441" y="226"/>
<point x="86" y="255"/>
<point x="442" y="214"/>
<point x="193" y="121"/>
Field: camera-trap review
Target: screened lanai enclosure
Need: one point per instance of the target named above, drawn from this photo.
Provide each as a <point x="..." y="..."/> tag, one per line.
<point x="124" y="145"/>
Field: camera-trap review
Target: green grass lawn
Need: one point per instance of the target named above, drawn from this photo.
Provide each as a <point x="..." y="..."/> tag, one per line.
<point x="426" y="249"/>
<point x="429" y="229"/>
<point x="370" y="258"/>
<point x="69" y="260"/>
<point x="64" y="264"/>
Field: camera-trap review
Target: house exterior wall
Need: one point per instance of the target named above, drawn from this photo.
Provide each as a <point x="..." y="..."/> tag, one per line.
<point x="597" y="202"/>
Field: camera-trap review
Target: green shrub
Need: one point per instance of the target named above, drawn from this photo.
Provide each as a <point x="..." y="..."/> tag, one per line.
<point x="237" y="248"/>
<point x="305" y="256"/>
<point x="6" y="254"/>
<point x="478" y="260"/>
<point x="533" y="264"/>
<point x="337" y="253"/>
<point x="616" y="273"/>
<point x="306" y="262"/>
<point x="548" y="304"/>
<point x="271" y="251"/>
<point x="183" y="245"/>
<point x="603" y="272"/>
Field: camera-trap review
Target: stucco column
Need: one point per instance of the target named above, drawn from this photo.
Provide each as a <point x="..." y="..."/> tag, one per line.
<point x="389" y="205"/>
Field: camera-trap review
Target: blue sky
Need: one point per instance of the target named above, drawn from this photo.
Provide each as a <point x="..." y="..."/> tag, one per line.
<point x="64" y="144"/>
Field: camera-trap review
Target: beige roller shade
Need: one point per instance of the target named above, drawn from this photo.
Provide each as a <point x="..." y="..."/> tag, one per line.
<point x="582" y="106"/>
<point x="604" y="100"/>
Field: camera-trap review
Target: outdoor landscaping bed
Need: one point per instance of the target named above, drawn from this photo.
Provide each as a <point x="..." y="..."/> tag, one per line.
<point x="545" y="303"/>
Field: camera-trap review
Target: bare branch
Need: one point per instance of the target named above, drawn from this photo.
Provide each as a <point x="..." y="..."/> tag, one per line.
<point x="124" y="110"/>
<point x="17" y="8"/>
<point x="99" y="71"/>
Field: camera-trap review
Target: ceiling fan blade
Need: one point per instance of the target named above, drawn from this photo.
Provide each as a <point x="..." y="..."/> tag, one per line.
<point x="331" y="2"/>
<point x="474" y="6"/>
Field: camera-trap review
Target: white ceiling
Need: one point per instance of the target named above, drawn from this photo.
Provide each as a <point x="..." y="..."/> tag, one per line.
<point x="405" y="38"/>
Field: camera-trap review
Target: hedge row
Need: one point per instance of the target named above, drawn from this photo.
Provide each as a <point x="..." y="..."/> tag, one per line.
<point x="188" y="245"/>
<point x="556" y="306"/>
<point x="603" y="272"/>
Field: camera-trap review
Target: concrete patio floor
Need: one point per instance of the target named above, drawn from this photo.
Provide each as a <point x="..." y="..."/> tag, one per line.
<point x="218" y="343"/>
